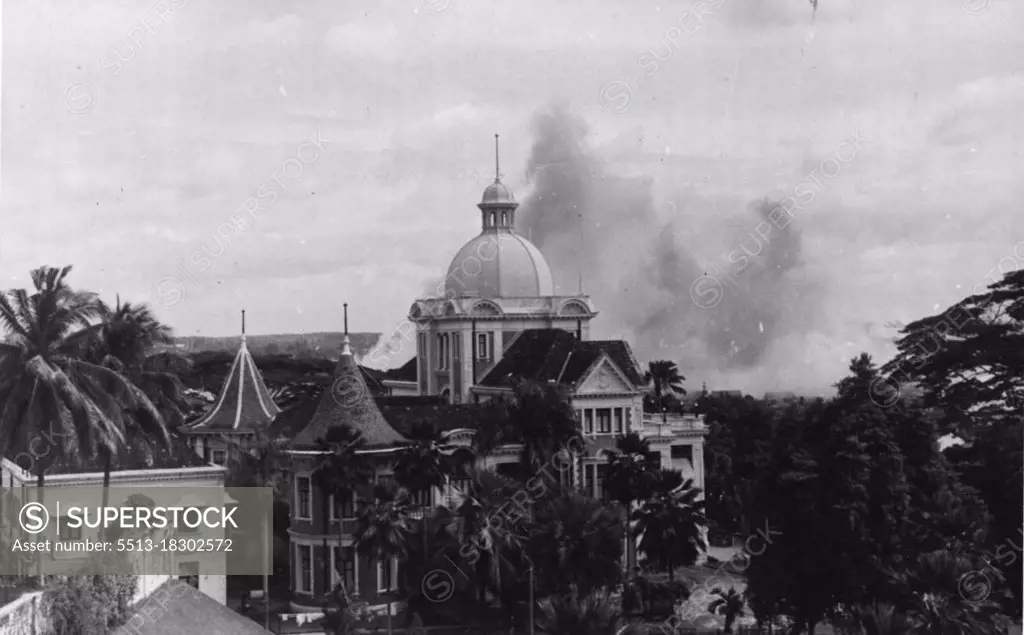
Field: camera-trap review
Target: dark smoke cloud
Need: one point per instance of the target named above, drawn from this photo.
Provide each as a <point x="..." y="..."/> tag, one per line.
<point x="638" y="269"/>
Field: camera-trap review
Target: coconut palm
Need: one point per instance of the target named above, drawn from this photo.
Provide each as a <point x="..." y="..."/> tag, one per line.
<point x="47" y="386"/>
<point x="594" y="614"/>
<point x="126" y="337"/>
<point x="131" y="334"/>
<point x="671" y="521"/>
<point x="383" y="527"/>
<point x="729" y="604"/>
<point x="664" y="377"/>
<point x="342" y="470"/>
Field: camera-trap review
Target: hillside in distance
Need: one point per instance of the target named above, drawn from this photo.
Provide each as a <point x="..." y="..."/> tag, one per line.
<point x="302" y="345"/>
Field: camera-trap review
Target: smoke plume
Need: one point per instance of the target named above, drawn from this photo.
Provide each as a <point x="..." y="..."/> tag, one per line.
<point x="639" y="268"/>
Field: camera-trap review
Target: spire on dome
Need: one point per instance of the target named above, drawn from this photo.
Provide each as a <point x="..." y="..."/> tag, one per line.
<point x="244" y="403"/>
<point x="498" y="205"/>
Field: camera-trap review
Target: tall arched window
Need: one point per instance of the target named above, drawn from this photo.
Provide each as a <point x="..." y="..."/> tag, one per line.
<point x="504" y="219"/>
<point x="494" y="218"/>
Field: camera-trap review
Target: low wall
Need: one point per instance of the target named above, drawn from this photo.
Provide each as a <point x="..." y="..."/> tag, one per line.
<point x="24" y="616"/>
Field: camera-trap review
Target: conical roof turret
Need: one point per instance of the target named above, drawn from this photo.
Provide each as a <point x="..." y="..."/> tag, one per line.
<point x="348" y="402"/>
<point x="244" y="403"/>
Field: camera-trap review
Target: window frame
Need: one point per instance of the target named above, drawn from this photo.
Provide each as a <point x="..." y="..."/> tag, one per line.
<point x="299" y="569"/>
<point x="483" y="346"/>
<point x="349" y="563"/>
<point x="298" y="497"/>
<point x="393" y="582"/>
<point x="332" y="503"/>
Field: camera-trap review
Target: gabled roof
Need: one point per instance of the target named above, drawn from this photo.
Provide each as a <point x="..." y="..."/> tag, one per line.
<point x="348" y="402"/>
<point x="406" y="372"/>
<point x="244" y="403"/>
<point x="175" y="608"/>
<point x="556" y="355"/>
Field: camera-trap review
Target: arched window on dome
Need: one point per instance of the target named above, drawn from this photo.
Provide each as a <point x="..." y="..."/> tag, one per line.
<point x="494" y="218"/>
<point x="504" y="219"/>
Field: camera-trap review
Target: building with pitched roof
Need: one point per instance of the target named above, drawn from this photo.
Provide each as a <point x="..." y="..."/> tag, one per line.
<point x="499" y="320"/>
<point x="243" y="407"/>
<point x="139" y="463"/>
<point x="321" y="529"/>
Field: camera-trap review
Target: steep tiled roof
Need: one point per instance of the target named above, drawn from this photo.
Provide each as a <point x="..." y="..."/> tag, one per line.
<point x="410" y="418"/>
<point x="244" y="403"/>
<point x="554" y="354"/>
<point x="407" y="415"/>
<point x="406" y="372"/>
<point x="348" y="402"/>
<point x="175" y="608"/>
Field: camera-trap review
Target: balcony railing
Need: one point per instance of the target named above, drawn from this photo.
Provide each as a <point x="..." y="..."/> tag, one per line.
<point x="654" y="425"/>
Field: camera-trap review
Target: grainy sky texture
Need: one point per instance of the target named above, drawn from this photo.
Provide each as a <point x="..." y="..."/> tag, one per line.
<point x="131" y="139"/>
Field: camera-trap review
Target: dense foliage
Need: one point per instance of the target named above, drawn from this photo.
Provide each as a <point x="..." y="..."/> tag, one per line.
<point x="88" y="604"/>
<point x="876" y="521"/>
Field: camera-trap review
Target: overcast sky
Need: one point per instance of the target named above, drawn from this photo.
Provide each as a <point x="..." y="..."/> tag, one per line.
<point x="125" y="151"/>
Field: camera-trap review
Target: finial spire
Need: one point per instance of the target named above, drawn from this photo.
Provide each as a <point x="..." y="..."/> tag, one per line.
<point x="345" y="349"/>
<point x="497" y="165"/>
<point x="243" y="325"/>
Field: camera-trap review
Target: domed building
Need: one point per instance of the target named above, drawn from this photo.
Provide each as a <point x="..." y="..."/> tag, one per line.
<point x="495" y="318"/>
<point x="498" y="285"/>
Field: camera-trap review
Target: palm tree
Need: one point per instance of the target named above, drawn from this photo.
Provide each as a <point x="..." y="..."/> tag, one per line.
<point x="483" y="539"/>
<point x="423" y="467"/>
<point x="628" y="473"/>
<point x="594" y="614"/>
<point x="883" y="619"/>
<point x="342" y="470"/>
<point x="44" y="384"/>
<point x="47" y="385"/>
<point x="576" y="542"/>
<point x="260" y="461"/>
<point x="664" y="375"/>
<point x="382" y="528"/>
<point x="124" y="342"/>
<point x="542" y="420"/>
<point x="729" y="604"/>
<point x="671" y="522"/>
<point x="937" y="580"/>
<point x="537" y="416"/>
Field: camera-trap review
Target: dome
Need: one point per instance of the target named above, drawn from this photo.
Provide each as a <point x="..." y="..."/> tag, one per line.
<point x="498" y="193"/>
<point x="499" y="265"/>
